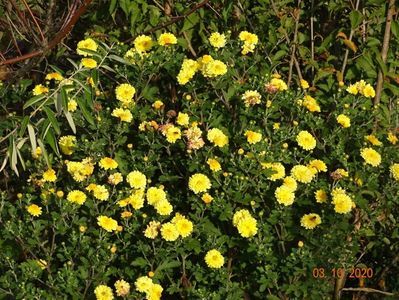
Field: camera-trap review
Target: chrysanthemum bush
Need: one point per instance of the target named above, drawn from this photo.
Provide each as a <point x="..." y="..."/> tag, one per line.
<point x="201" y="178"/>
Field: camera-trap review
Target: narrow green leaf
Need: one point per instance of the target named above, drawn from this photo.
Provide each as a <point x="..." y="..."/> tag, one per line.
<point x="22" y="161"/>
<point x="356" y="18"/>
<point x="73" y="64"/>
<point x="112" y="6"/>
<point x="71" y="123"/>
<point x="45" y="155"/>
<point x="32" y="136"/>
<point x="33" y="101"/>
<point x="118" y="59"/>
<point x="85" y="112"/>
<point x="51" y="116"/>
<point x="24" y="124"/>
<point x="52" y="141"/>
<point x="3" y="165"/>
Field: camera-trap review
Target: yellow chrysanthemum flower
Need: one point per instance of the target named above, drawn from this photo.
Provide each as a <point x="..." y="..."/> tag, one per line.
<point x="115" y="178"/>
<point x="152" y="229"/>
<point x="124" y="93"/>
<point x="217" y="137"/>
<point x="89" y="63"/>
<point x="122" y="288"/>
<point x="108" y="163"/>
<point x="368" y="91"/>
<point x="34" y="210"/>
<point x="67" y="144"/>
<point x="187" y="71"/>
<point x="49" y="176"/>
<point x="290" y="183"/>
<point x="214" y="68"/>
<point x="166" y="39"/>
<point x="155" y="292"/>
<point x="55" y="76"/>
<point x="344" y="121"/>
<point x="136" y="180"/>
<point x="207" y="198"/>
<point x="107" y="223"/>
<point x="318" y="164"/>
<point x="184" y="227"/>
<point x="373" y="140"/>
<point x="302" y="173"/>
<point x="154" y="195"/>
<point x="392" y="138"/>
<point x="103" y="292"/>
<point x="284" y="195"/>
<point x="306" y="140"/>
<point x="163" y="207"/>
<point x="123" y="114"/>
<point x="199" y="183"/>
<point x="40" y="89"/>
<point x="310" y="103"/>
<point x="143" y="284"/>
<point x="77" y="197"/>
<point x="371" y="156"/>
<point x="304" y="84"/>
<point x="247" y="227"/>
<point x="72" y="105"/>
<point x="214" y="165"/>
<point x="169" y="232"/>
<point x="251" y="98"/>
<point x="173" y="134"/>
<point x="100" y="192"/>
<point x="342" y="202"/>
<point x="217" y="40"/>
<point x="352" y="89"/>
<point x="395" y="171"/>
<point x="279" y="84"/>
<point x="321" y="196"/>
<point x="310" y="221"/>
<point x="143" y="43"/>
<point x="253" y="137"/>
<point x="278" y="168"/>
<point x="183" y="119"/>
<point x="214" y="259"/>
<point x="89" y="44"/>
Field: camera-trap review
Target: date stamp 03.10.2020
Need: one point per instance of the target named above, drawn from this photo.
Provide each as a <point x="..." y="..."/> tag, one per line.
<point x="359" y="273"/>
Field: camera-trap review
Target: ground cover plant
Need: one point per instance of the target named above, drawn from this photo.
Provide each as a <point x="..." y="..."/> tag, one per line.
<point x="163" y="168"/>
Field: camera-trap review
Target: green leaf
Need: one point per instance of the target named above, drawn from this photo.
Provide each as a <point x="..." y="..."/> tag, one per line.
<point x="356" y="18"/>
<point x="71" y="123"/>
<point x="51" y="116"/>
<point x="139" y="262"/>
<point x="32" y="136"/>
<point x="190" y="22"/>
<point x="279" y="54"/>
<point x="119" y="59"/>
<point x="45" y="155"/>
<point x="168" y="265"/>
<point x="395" y="28"/>
<point x="24" y="124"/>
<point x="52" y="141"/>
<point x="85" y="112"/>
<point x="33" y="101"/>
<point x="112" y="6"/>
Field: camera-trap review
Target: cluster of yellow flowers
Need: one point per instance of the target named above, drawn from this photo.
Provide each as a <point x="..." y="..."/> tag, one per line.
<point x="362" y="88"/>
<point x="217" y="137"/>
<point x="80" y="170"/>
<point x="217" y="40"/>
<point x="208" y="66"/>
<point x="152" y="290"/>
<point x="170" y="231"/>
<point x="67" y="144"/>
<point x="245" y="223"/>
<point x="250" y="40"/>
<point x="310" y="103"/>
<point x="103" y="292"/>
<point x="100" y="192"/>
